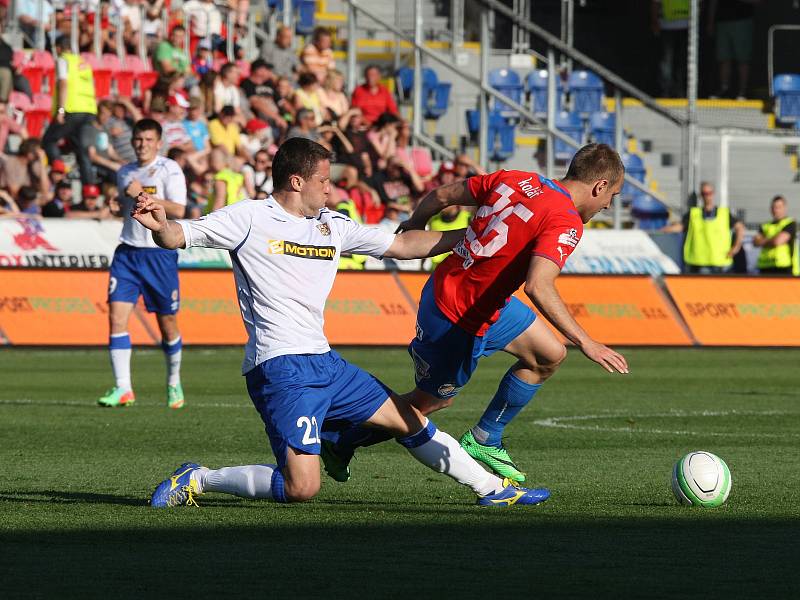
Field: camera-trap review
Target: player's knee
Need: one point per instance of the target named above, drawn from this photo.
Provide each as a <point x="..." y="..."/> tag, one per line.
<point x="300" y="491"/>
<point x="433" y="405"/>
<point x="549" y="365"/>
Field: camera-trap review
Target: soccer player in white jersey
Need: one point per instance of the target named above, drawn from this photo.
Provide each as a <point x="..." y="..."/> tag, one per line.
<point x="141" y="268"/>
<point x="285" y="251"/>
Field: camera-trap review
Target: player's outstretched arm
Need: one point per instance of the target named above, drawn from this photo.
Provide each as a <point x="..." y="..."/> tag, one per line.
<point x="422" y="244"/>
<point x="456" y="193"/>
<point x="540" y="287"/>
<point x="172" y="209"/>
<point x="151" y="213"/>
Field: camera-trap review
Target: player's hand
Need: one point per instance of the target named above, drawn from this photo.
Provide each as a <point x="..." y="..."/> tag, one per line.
<point x="408" y="225"/>
<point x="605" y="357"/>
<point x="134" y="189"/>
<point x="149" y="213"/>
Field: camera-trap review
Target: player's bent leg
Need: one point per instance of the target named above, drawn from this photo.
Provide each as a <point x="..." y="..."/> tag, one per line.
<point x="119" y="347"/>
<point x="172" y="345"/>
<point x="301" y="476"/>
<point x="539" y="353"/>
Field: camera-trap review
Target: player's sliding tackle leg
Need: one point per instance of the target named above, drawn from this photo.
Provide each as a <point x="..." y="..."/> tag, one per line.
<point x="299" y="480"/>
<point x="539" y="355"/>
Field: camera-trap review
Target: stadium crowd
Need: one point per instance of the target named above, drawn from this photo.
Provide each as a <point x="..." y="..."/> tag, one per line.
<point x="222" y="121"/>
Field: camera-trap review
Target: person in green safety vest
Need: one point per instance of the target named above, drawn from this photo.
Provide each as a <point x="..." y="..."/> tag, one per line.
<point x="778" y="242"/>
<point x="669" y="21"/>
<point x="713" y="235"/>
<point x="74" y="108"/>
<point x="350" y="262"/>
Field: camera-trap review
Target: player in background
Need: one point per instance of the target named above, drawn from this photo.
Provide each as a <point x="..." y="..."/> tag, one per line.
<point x="525" y="228"/>
<point x="285" y="252"/>
<point x="141" y="268"/>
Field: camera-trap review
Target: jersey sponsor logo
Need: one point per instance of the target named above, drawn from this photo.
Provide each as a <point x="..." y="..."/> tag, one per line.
<point x="569" y="238"/>
<point x="301" y="250"/>
<point x="324" y="229"/>
<point x="150" y="189"/>
<point x="528" y="189"/>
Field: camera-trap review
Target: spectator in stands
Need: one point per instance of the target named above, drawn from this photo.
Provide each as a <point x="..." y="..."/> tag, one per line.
<point x="398" y="184"/>
<point x="152" y="21"/>
<point x="28" y="16"/>
<point x="61" y="203"/>
<point x="259" y="89"/>
<point x="7" y="204"/>
<point x="307" y="96"/>
<point x="25" y="169"/>
<point x="28" y="201"/>
<point x="317" y="57"/>
<point x="778" y="242"/>
<point x="731" y="22"/>
<point x="372" y="97"/>
<point x="174" y="134"/>
<point x="171" y="54"/>
<point x="6" y="70"/>
<point x="670" y="24"/>
<point x="90" y="207"/>
<point x="419" y="157"/>
<point x="119" y="128"/>
<point x="203" y="60"/>
<point x="55" y="175"/>
<point x="304" y="127"/>
<point x="205" y="19"/>
<point x="95" y="139"/>
<point x="356" y="152"/>
<point x="224" y="132"/>
<point x="228" y="183"/>
<point x="334" y="100"/>
<point x="382" y="137"/>
<point x="196" y="125"/>
<point x="77" y="108"/>
<point x="9" y="125"/>
<point x="257" y="135"/>
<point x="713" y="235"/>
<point x="258" y="176"/>
<point x="280" y="55"/>
<point x="227" y="92"/>
<point x="283" y="98"/>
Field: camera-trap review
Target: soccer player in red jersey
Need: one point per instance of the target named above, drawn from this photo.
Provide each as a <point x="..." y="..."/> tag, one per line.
<point x="524" y="229"/>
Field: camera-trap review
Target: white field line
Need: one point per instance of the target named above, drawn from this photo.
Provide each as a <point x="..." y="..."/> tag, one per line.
<point x="578" y="422"/>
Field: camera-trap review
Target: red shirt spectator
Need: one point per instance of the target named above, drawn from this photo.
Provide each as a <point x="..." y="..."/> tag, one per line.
<point x="372" y="97"/>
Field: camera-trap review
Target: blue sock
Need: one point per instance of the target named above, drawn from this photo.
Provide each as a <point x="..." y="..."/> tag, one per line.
<point x="512" y="396"/>
<point x="276" y="486"/>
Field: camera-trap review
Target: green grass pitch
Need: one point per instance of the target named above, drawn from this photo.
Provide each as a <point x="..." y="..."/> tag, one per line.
<point x="74" y="480"/>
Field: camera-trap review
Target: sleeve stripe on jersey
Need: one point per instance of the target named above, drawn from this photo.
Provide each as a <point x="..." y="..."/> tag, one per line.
<point x="548" y="258"/>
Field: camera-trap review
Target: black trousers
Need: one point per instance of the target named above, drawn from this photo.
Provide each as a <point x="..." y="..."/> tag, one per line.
<point x="70" y="129"/>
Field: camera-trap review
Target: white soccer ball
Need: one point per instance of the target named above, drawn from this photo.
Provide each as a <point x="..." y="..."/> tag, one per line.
<point x="701" y="479"/>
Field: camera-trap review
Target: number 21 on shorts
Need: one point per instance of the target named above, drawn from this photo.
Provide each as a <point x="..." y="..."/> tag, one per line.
<point x="311" y="434"/>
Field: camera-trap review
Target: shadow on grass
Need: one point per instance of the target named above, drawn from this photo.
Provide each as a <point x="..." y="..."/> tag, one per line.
<point x="385" y="556"/>
<point x="62" y="497"/>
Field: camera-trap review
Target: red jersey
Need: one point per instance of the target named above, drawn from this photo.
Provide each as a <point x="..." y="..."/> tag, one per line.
<point x="519" y="215"/>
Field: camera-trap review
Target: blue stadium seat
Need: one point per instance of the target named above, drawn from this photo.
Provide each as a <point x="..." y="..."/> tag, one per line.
<point x="602" y="128"/>
<point x="435" y="93"/>
<point x="787" y="97"/>
<point x="571" y="124"/>
<point x="586" y="90"/>
<point x="506" y="82"/>
<point x="649" y="213"/>
<point x="536" y="82"/>
<point x="305" y="16"/>
<point x="634" y="166"/>
<point x="500" y="135"/>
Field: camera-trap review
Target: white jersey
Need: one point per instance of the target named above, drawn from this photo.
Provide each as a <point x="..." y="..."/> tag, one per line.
<point x="162" y="178"/>
<point x="284" y="266"/>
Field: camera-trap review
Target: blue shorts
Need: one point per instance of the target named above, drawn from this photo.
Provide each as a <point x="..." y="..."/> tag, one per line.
<point x="148" y="272"/>
<point x="297" y="394"/>
<point x="445" y="356"/>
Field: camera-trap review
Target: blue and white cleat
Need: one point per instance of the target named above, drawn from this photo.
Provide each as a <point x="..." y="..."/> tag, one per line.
<point x="179" y="489"/>
<point x="512" y="494"/>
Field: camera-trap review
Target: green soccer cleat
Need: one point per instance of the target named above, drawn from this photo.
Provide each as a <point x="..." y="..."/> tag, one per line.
<point x="337" y="466"/>
<point x="117" y="397"/>
<point x="175" y="396"/>
<point x="496" y="458"/>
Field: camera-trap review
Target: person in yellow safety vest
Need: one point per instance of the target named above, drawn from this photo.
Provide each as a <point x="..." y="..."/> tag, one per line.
<point x="351" y="262"/>
<point x="228" y="184"/>
<point x="74" y="107"/>
<point x="452" y="217"/>
<point x="778" y="242"/>
<point x="669" y="22"/>
<point x="713" y="236"/>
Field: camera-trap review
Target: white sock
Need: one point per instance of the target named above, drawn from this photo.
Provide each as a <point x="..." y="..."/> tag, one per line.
<point x="248" y="481"/>
<point x="120" y="352"/>
<point x="173" y="350"/>
<point x="442" y="453"/>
